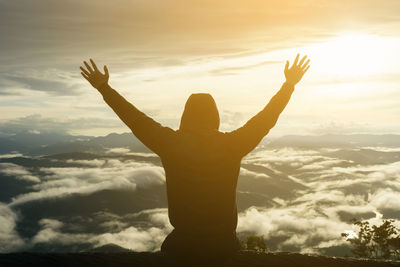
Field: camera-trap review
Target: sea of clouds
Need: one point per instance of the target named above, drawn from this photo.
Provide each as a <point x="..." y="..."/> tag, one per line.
<point x="298" y="199"/>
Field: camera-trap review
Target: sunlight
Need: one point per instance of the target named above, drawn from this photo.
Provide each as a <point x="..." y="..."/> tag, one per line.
<point x="351" y="234"/>
<point x="354" y="55"/>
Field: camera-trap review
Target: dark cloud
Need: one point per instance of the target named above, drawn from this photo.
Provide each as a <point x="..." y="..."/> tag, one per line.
<point x="40" y="124"/>
<point x="20" y="84"/>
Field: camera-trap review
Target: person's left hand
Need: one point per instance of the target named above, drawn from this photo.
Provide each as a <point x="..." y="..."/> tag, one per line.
<point x="295" y="73"/>
<point x="94" y="76"/>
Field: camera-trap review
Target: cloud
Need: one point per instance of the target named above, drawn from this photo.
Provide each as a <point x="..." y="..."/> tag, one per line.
<point x="134" y="239"/>
<point x="108" y="174"/>
<point x="322" y="165"/>
<point x="333" y="172"/>
<point x="39" y="123"/>
<point x="10" y="241"/>
<point x="384" y="175"/>
<point x="245" y="172"/>
<point x="308" y="220"/>
<point x="298" y="227"/>
<point x="143" y="41"/>
<point x="140" y="239"/>
<point x="153" y="33"/>
<point x="23" y="83"/>
<point x="50" y="234"/>
<point x="336" y="191"/>
<point x="385" y="199"/>
<point x="10" y="87"/>
<point x="284" y="156"/>
<point x="147" y="238"/>
<point x="118" y="150"/>
<point x="88" y="163"/>
<point x="12" y="155"/>
<point x="333" y="197"/>
<point x="18" y="172"/>
<point x="235" y="70"/>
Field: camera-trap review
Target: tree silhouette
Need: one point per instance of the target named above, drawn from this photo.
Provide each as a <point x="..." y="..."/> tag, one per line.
<point x="395" y="244"/>
<point x="381" y="236"/>
<point x="376" y="241"/>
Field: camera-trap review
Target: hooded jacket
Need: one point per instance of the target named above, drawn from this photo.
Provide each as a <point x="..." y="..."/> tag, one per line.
<point x="201" y="164"/>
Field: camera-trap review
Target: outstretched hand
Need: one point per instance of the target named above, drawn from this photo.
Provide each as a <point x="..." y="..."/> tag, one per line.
<point x="295" y="73"/>
<point x="94" y="76"/>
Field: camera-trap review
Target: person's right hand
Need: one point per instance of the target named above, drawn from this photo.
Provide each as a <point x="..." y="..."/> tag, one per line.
<point x="94" y="76"/>
<point x="295" y="73"/>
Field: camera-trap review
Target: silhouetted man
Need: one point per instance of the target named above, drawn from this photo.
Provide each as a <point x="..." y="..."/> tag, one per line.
<point x="201" y="163"/>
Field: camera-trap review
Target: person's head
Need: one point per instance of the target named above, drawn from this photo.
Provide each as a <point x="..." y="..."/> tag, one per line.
<point x="200" y="113"/>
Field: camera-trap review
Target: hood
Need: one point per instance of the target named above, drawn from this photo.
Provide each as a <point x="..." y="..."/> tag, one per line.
<point x="200" y="113"/>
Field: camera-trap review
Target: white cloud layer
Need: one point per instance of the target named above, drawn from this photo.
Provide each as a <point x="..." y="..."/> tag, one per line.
<point x="18" y="172"/>
<point x="307" y="220"/>
<point x="107" y="174"/>
<point x="134" y="238"/>
<point x="9" y="238"/>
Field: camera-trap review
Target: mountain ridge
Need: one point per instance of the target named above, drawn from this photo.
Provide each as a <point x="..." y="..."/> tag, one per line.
<point x="35" y="144"/>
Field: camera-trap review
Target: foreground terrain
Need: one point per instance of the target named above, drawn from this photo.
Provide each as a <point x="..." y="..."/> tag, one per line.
<point x="245" y="258"/>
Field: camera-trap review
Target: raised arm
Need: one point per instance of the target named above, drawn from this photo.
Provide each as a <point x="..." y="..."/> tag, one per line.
<point x="152" y="134"/>
<point x="246" y="138"/>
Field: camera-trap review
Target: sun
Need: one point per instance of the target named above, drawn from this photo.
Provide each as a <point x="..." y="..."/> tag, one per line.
<point x="353" y="55"/>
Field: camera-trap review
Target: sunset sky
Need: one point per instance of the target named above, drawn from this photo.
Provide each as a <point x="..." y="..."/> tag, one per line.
<point x="159" y="52"/>
<point x="63" y="193"/>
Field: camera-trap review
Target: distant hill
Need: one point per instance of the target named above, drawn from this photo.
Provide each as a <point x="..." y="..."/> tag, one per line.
<point x="137" y="259"/>
<point x="110" y="248"/>
<point x="337" y="141"/>
<point x="47" y="144"/>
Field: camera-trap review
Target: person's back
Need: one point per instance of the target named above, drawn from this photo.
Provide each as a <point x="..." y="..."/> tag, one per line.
<point x="201" y="163"/>
<point x="201" y="177"/>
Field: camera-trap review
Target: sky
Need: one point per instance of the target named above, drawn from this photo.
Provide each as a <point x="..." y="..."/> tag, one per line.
<point x="159" y="52"/>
